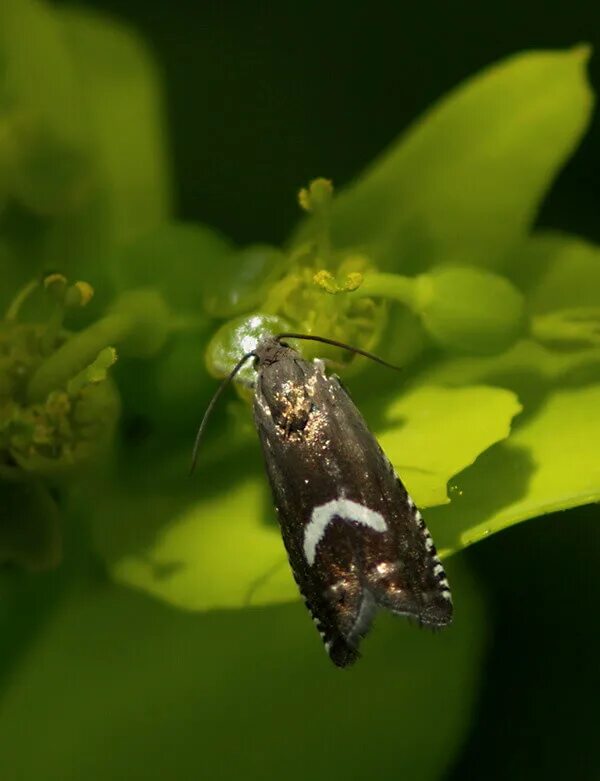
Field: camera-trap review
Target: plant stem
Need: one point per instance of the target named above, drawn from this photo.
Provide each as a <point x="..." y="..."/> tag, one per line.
<point x="390" y="286"/>
<point x="77" y="353"/>
<point x="15" y="305"/>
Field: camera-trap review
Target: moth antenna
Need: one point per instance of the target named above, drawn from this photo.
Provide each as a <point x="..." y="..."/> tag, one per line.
<point x="343" y="346"/>
<point x="211" y="405"/>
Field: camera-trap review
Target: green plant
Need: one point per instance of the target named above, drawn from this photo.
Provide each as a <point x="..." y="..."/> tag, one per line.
<point x="429" y="258"/>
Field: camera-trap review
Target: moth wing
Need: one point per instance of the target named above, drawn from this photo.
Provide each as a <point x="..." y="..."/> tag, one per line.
<point x="355" y="540"/>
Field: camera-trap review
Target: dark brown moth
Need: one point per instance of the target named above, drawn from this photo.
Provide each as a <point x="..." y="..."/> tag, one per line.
<point x="354" y="538"/>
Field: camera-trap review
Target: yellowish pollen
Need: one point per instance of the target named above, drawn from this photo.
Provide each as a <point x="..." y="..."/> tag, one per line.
<point x="55" y="280"/>
<point x="304" y="199"/>
<point x="86" y="292"/>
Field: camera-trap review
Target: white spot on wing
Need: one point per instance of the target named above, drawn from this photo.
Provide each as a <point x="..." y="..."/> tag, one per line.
<point x="345" y="509"/>
<point x="438" y="569"/>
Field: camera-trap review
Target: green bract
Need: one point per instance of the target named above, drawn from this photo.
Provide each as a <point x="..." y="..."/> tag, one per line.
<point x="429" y="259"/>
<point x="465" y="183"/>
<point x="168" y="677"/>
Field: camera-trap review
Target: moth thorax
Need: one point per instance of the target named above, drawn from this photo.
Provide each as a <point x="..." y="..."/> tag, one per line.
<point x="293" y="406"/>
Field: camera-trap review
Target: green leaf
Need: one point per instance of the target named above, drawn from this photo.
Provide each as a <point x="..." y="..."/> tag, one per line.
<point x="216" y="553"/>
<point x="168" y="691"/>
<point x="222" y="548"/>
<point x="243" y="280"/>
<point x="559" y="272"/>
<point x="527" y="368"/>
<point x="440" y="431"/>
<point x="121" y="93"/>
<point x="26" y="70"/>
<point x="549" y="463"/>
<point x="465" y="183"/>
<point x="182" y="260"/>
<point x="30" y="527"/>
<point x="42" y="124"/>
<point x="14" y="276"/>
<point x="81" y="137"/>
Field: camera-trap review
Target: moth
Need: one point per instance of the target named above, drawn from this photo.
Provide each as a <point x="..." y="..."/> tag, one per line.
<point x="355" y="541"/>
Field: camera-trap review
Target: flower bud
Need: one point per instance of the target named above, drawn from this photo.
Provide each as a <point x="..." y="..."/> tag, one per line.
<point x="237" y="337"/>
<point x="469" y="309"/>
<point x="148" y="319"/>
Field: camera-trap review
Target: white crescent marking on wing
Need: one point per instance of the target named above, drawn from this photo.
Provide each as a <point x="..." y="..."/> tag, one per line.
<point x="345" y="509"/>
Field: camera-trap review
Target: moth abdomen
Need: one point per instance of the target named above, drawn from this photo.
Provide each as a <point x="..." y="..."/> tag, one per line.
<point x="340" y="653"/>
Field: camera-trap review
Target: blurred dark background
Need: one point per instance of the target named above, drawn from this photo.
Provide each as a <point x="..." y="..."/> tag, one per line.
<point x="263" y="96"/>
